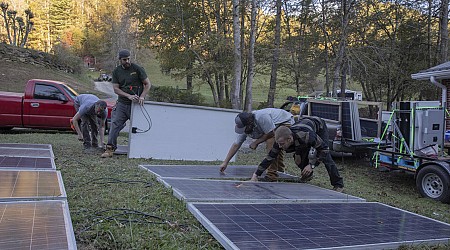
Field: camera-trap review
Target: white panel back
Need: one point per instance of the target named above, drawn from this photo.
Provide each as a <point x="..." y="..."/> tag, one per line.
<point x="181" y="132"/>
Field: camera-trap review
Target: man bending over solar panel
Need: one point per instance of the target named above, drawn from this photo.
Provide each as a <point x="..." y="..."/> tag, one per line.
<point x="308" y="138"/>
<point x="260" y="125"/>
<point x="92" y="112"/>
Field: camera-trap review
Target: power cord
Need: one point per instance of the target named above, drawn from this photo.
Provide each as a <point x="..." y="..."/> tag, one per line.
<point x="127" y="216"/>
<point x="136" y="130"/>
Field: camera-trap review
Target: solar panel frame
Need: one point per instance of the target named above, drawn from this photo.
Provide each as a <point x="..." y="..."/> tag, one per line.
<point x="201" y="190"/>
<point x="42" y="222"/>
<point x="24" y="188"/>
<point x="317" y="226"/>
<point x="122" y="150"/>
<point x="31" y="163"/>
<point x="26" y="145"/>
<point x="208" y="172"/>
<point x="27" y="152"/>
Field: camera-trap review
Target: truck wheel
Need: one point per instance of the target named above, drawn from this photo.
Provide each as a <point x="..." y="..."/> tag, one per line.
<point x="434" y="182"/>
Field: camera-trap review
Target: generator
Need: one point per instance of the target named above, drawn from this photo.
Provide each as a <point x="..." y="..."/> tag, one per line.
<point x="420" y="126"/>
<point x="414" y="133"/>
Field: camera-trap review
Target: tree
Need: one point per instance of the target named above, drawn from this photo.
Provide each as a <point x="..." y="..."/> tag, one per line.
<point x="443" y="32"/>
<point x="346" y="8"/>
<point x="251" y="58"/>
<point x="301" y="65"/>
<point x="235" y="87"/>
<point x="59" y="11"/>
<point x="16" y="27"/>
<point x="275" y="55"/>
<point x="391" y="43"/>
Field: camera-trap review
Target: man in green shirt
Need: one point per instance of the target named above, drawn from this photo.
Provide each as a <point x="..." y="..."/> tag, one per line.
<point x="131" y="84"/>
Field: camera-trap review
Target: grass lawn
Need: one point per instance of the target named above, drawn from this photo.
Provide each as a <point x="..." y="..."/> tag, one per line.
<point x="116" y="205"/>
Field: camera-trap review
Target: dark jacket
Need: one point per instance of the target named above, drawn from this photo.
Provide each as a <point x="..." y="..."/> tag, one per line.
<point x="304" y="133"/>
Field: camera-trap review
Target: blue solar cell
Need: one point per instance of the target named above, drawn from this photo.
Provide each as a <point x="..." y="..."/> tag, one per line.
<point x="26" y="163"/>
<point x="238" y="191"/>
<point x="317" y="225"/>
<point x="207" y="171"/>
<point x="325" y="111"/>
<point x="26" y="152"/>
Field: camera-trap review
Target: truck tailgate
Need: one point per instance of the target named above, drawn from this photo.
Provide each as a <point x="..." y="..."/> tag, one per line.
<point x="10" y="109"/>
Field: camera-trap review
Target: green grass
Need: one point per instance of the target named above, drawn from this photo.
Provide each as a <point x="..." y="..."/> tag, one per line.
<point x="96" y="187"/>
<point x="99" y="190"/>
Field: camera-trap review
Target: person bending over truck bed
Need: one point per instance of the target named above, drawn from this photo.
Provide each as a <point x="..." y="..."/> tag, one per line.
<point x="92" y="112"/>
<point x="131" y="84"/>
<point x="260" y="125"/>
<point x="308" y="138"/>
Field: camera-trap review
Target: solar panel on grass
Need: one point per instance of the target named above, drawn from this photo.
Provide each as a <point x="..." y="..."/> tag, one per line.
<point x="18" y="163"/>
<point x="317" y="226"/>
<point x="194" y="190"/>
<point x="40" y="225"/>
<point x="31" y="185"/>
<point x="26" y="152"/>
<point x="25" y="145"/>
<point x="207" y="171"/>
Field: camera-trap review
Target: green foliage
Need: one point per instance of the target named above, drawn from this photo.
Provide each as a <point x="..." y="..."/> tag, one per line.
<point x="175" y="95"/>
<point x="59" y="12"/>
<point x="65" y="57"/>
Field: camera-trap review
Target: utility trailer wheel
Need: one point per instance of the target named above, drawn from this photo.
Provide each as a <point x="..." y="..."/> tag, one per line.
<point x="434" y="182"/>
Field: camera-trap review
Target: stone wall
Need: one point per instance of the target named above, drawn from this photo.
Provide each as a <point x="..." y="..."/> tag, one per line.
<point x="10" y="53"/>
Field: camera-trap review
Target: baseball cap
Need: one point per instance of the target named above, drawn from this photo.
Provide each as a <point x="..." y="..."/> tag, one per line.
<point x="124" y="53"/>
<point x="242" y="120"/>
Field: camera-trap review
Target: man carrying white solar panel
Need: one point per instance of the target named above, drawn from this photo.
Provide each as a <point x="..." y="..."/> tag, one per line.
<point x="92" y="112"/>
<point x="308" y="138"/>
<point x="260" y="125"/>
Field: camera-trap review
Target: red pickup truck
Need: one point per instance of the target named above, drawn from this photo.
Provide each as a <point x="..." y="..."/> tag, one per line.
<point x="45" y="104"/>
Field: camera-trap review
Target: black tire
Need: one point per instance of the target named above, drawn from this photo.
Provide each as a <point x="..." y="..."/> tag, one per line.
<point x="434" y="182"/>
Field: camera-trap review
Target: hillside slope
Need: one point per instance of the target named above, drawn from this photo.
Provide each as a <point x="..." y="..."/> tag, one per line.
<point x="20" y="65"/>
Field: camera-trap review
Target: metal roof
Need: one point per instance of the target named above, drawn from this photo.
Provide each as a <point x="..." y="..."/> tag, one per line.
<point x="441" y="71"/>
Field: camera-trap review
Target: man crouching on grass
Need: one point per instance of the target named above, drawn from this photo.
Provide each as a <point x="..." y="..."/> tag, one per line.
<point x="310" y="149"/>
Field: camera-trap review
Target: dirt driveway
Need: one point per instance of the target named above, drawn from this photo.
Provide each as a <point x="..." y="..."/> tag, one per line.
<point x="107" y="88"/>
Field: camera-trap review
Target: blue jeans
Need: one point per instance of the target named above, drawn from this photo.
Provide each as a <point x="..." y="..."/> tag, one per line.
<point x="119" y="116"/>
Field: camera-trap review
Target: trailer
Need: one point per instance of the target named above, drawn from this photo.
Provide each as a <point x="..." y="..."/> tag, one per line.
<point x="414" y="142"/>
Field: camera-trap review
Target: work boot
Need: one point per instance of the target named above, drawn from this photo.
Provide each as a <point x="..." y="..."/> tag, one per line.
<point x="108" y="152"/>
